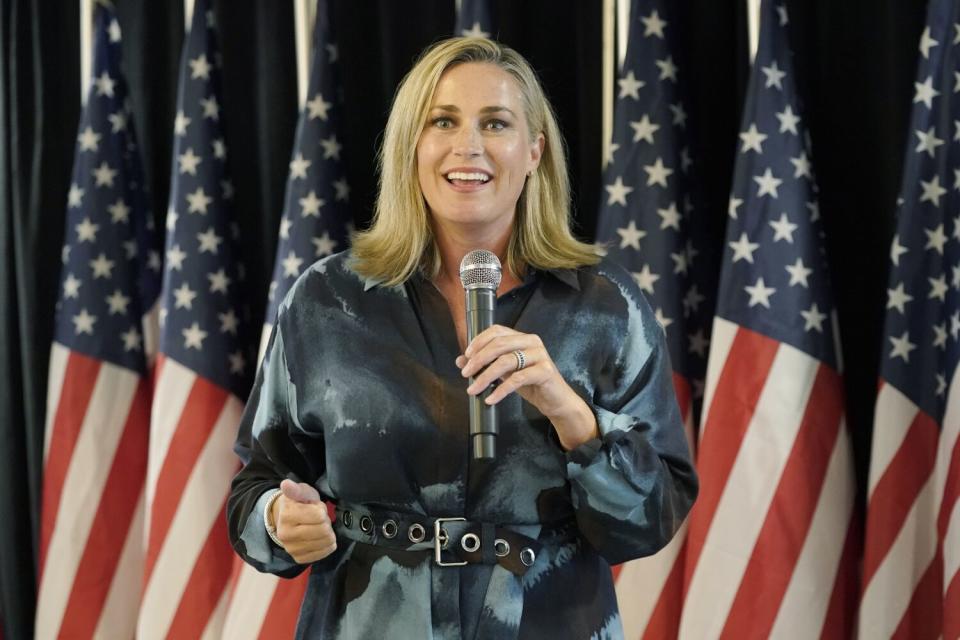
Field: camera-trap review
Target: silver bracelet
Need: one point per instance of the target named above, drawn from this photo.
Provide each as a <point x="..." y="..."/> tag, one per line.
<point x="271" y="529"/>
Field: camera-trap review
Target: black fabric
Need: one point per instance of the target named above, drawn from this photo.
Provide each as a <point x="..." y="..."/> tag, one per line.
<point x="856" y="61"/>
<point x="40" y="112"/>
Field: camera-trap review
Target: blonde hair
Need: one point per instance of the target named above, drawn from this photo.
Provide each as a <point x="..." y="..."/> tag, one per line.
<point x="400" y="239"/>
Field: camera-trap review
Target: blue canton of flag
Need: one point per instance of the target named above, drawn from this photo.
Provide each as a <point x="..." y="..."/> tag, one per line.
<point x="202" y="314"/>
<point x="317" y="220"/>
<point x="922" y="332"/>
<point x="774" y="278"/>
<point x="646" y="216"/>
<point x="111" y="268"/>
<point x="474" y="18"/>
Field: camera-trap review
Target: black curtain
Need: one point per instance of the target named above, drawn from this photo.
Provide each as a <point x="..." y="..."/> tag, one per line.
<point x="855" y="61"/>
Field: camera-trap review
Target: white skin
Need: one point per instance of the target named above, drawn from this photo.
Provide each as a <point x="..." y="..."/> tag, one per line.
<point x="475" y="125"/>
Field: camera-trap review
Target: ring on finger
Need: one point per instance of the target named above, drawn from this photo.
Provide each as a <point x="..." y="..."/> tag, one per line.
<point x="521" y="359"/>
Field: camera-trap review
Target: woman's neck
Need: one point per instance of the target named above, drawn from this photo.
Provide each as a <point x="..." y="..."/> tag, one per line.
<point x="454" y="245"/>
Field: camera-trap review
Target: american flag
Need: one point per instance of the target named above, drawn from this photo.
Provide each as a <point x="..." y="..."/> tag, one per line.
<point x="645" y="223"/>
<point x="771" y="548"/>
<point x="911" y="566"/>
<point x="203" y="369"/>
<point x="316" y="222"/>
<point x="98" y="403"/>
<point x="474" y="18"/>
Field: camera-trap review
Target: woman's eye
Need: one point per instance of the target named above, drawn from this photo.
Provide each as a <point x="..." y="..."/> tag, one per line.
<point x="496" y="125"/>
<point x="442" y="122"/>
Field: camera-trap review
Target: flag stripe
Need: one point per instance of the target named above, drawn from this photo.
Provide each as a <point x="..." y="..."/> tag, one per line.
<point x="178" y="551"/>
<point x="738" y="390"/>
<point x="174" y="385"/>
<point x="886" y="596"/>
<point x="951" y="608"/>
<point x="951" y="491"/>
<point x="790" y="515"/>
<point x="640" y="585"/>
<point x="763" y="453"/>
<point x="196" y="422"/>
<point x="249" y="600"/>
<point x="80" y="378"/>
<point x="281" y="619"/>
<point x="817" y="571"/>
<point x="209" y="577"/>
<point x="721" y="341"/>
<point x="664" y="622"/>
<point x="121" y="607"/>
<point x="839" y="623"/>
<point x="93" y="440"/>
<point x="114" y="517"/>
<point x="894" y="415"/>
<point x="214" y="628"/>
<point x="923" y="617"/>
<point x="59" y="356"/>
<point x="909" y="471"/>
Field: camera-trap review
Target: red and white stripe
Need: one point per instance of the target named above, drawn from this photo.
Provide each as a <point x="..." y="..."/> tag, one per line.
<point x="650" y="590"/>
<point x="191" y="463"/>
<point x="771" y="547"/>
<point x="95" y="459"/>
<point x="911" y="567"/>
<point x="263" y="606"/>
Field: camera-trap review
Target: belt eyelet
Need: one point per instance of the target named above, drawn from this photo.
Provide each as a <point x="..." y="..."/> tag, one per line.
<point x="527" y="556"/>
<point x="501" y="547"/>
<point x="347" y="518"/>
<point x="416" y="533"/>
<point x="389" y="529"/>
<point x="470" y="542"/>
<point x="366" y="524"/>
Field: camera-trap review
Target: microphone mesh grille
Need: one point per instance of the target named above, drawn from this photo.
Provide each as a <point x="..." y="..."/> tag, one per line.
<point x="480" y="269"/>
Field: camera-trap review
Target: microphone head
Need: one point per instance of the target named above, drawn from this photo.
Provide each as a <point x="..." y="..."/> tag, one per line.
<point x="480" y="269"/>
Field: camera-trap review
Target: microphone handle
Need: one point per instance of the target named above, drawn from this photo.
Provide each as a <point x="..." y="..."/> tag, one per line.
<point x="481" y="304"/>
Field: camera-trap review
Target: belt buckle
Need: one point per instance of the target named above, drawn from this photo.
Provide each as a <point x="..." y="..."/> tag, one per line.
<point x="437" y="546"/>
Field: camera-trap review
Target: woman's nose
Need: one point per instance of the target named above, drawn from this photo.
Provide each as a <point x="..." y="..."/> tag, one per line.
<point x="468" y="142"/>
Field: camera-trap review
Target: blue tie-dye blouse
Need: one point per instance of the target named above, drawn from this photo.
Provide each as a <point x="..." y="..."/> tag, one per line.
<point x="359" y="395"/>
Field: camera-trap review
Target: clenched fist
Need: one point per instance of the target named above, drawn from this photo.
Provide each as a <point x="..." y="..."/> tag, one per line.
<point x="302" y="522"/>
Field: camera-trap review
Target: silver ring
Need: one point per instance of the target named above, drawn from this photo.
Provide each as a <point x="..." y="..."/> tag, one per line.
<point x="389" y="529"/>
<point x="501" y="547"/>
<point x="416" y="533"/>
<point x="527" y="556"/>
<point x="470" y="542"/>
<point x="521" y="359"/>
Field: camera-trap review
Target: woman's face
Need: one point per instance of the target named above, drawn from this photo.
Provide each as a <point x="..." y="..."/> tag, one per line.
<point x="475" y="150"/>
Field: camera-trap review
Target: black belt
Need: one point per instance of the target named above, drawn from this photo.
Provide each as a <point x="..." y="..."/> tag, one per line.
<point x="453" y="542"/>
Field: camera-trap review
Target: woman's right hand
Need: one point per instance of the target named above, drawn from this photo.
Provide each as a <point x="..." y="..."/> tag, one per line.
<point x="303" y="523"/>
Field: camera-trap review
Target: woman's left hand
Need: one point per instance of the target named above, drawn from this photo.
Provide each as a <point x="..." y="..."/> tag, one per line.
<point x="538" y="382"/>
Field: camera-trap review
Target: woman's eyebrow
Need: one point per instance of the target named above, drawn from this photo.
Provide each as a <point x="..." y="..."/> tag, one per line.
<point x="455" y="109"/>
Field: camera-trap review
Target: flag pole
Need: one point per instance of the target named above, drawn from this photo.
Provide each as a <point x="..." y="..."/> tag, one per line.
<point x="187" y="14"/>
<point x="609" y="10"/>
<point x="86" y="47"/>
<point x="753" y="27"/>
<point x="304" y="13"/>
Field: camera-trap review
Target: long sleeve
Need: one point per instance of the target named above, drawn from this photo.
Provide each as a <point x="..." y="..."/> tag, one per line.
<point x="271" y="445"/>
<point x="632" y="487"/>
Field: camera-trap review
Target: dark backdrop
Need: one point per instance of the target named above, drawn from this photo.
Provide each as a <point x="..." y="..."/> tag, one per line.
<point x="855" y="58"/>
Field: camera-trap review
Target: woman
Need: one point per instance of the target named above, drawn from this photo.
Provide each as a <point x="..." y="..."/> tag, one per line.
<point x="362" y="397"/>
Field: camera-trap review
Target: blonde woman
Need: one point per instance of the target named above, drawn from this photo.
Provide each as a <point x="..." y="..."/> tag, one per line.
<point x="362" y="398"/>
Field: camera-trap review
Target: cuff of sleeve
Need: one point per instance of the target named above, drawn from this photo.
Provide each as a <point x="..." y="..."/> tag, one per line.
<point x="585" y="453"/>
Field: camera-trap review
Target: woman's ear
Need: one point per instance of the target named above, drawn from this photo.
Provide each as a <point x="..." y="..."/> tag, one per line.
<point x="536" y="151"/>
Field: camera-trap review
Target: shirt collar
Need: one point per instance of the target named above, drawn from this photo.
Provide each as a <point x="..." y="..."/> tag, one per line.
<point x="566" y="276"/>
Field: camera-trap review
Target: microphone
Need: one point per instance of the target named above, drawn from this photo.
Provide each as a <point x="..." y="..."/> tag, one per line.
<point x="480" y="274"/>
